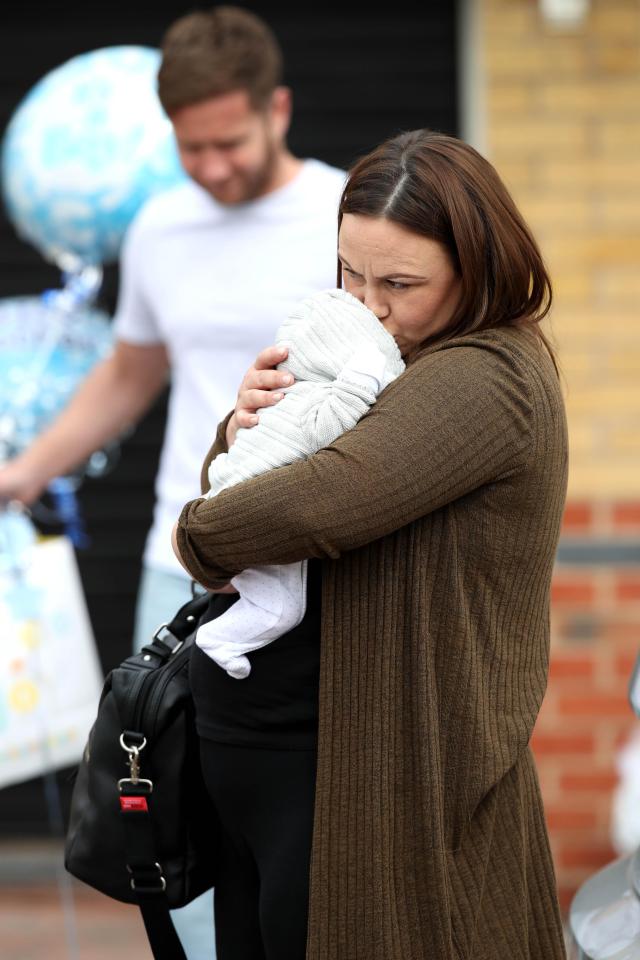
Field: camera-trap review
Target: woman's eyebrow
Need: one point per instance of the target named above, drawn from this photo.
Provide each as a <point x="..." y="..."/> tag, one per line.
<point x="396" y="274"/>
<point x="400" y="275"/>
<point x="344" y="262"/>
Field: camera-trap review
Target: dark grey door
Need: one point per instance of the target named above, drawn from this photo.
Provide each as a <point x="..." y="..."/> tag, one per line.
<point x="357" y="79"/>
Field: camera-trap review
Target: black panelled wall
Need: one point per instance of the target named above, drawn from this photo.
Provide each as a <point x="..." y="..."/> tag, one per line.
<point x="357" y="78"/>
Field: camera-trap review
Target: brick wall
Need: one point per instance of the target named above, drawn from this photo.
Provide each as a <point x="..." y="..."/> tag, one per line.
<point x="562" y="125"/>
<point x="563" y="128"/>
<point x="586" y="717"/>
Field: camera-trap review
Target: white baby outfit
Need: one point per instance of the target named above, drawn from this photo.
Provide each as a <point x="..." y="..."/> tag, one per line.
<point x="342" y="358"/>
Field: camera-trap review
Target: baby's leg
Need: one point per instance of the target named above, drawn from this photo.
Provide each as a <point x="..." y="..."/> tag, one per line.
<point x="272" y="601"/>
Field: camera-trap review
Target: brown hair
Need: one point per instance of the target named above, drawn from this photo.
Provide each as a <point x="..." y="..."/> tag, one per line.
<point x="218" y="51"/>
<point x="443" y="189"/>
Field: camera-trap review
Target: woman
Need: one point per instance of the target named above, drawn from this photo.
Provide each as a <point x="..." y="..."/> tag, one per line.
<point x="436" y="521"/>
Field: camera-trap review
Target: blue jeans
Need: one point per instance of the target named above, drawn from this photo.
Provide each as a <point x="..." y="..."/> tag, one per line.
<point x="159" y="597"/>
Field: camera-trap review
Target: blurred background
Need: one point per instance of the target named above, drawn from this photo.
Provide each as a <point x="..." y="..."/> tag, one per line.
<point x="549" y="90"/>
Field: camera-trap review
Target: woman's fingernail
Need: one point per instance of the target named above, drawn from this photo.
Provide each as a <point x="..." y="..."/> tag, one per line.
<point x="253" y="420"/>
<point x="278" y="396"/>
<point x="287" y="378"/>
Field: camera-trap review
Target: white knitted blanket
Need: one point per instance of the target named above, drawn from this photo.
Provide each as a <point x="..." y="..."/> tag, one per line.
<point x="342" y="358"/>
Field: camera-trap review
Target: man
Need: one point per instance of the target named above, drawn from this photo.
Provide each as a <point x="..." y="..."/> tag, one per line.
<point x="208" y="271"/>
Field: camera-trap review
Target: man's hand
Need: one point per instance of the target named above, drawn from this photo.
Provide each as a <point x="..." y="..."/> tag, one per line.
<point x="259" y="388"/>
<point x="19" y="482"/>
<point x="116" y="393"/>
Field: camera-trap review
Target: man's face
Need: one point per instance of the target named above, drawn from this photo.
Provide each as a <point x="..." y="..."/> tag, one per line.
<point x="228" y="147"/>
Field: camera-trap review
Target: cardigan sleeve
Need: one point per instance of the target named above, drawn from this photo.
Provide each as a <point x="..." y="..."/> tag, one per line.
<point x="219" y="445"/>
<point x="458" y="418"/>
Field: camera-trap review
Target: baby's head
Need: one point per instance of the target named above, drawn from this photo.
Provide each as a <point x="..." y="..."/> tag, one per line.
<point x="323" y="331"/>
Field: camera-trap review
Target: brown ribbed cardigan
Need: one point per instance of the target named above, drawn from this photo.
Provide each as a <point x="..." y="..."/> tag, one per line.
<point x="437" y="517"/>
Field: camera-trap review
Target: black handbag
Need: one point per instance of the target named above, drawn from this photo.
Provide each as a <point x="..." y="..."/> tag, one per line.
<point x="141" y="828"/>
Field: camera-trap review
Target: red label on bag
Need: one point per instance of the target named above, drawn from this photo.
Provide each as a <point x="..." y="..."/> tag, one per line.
<point x="128" y="804"/>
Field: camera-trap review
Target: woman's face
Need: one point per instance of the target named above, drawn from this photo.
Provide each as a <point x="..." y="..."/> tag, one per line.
<point x="407" y="280"/>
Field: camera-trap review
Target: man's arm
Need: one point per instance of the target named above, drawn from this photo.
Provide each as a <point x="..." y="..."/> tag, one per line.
<point x="115" y="395"/>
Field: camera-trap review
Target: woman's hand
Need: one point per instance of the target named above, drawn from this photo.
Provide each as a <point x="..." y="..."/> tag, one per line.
<point x="258" y="389"/>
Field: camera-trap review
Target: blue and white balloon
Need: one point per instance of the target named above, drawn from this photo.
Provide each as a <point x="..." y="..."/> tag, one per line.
<point x="46" y="350"/>
<point x="84" y="150"/>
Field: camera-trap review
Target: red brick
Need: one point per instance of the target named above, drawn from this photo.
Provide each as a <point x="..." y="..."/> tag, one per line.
<point x="567" y="667"/>
<point x="578" y="517"/>
<point x="573" y="590"/>
<point x="557" y="743"/>
<point x="625" y="662"/>
<point x="628" y="588"/>
<point x="601" y="705"/>
<point x="593" y="782"/>
<point x="626" y="515"/>
<point x="561" y="818"/>
<point x="565" y="896"/>
<point x="586" y="855"/>
<point x="625" y="732"/>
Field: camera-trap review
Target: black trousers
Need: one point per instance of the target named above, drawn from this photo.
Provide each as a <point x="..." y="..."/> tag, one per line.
<point x="264" y="799"/>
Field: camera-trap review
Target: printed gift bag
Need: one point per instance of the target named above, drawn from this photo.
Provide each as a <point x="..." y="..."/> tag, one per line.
<point x="50" y="676"/>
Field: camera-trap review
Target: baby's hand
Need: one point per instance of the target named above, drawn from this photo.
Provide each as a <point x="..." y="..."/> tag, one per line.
<point x="259" y="389"/>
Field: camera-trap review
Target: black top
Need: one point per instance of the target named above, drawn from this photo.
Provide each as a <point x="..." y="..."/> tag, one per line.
<point x="276" y="706"/>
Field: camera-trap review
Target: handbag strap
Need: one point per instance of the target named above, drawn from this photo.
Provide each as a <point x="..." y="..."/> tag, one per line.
<point x="183" y="624"/>
<point x="186" y="619"/>
<point x="147" y="881"/>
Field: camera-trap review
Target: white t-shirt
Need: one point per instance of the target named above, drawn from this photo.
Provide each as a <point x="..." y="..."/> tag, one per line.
<point x="213" y="283"/>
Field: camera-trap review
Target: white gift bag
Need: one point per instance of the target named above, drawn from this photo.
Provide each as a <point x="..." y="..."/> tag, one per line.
<point x="625" y="807"/>
<point x="50" y="676"/>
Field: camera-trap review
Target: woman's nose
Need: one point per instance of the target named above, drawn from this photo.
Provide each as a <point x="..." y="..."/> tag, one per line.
<point x="376" y="303"/>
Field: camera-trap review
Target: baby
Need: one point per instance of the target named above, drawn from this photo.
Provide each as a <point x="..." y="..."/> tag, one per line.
<point x="342" y="358"/>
